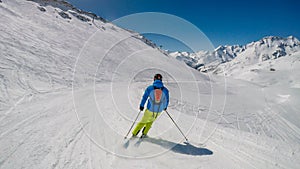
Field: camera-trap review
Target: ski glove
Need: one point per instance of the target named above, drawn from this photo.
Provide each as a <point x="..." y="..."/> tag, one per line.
<point x="165" y="109"/>
<point x="141" y="108"/>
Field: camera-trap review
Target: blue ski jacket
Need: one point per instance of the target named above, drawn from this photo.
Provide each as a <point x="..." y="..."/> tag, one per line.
<point x="149" y="95"/>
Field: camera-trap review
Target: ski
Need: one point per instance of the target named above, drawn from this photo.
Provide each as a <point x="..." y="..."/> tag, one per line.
<point x="138" y="143"/>
<point x="126" y="144"/>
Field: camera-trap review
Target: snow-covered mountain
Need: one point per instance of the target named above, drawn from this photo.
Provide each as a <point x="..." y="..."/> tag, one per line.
<point x="71" y="83"/>
<point x="268" y="48"/>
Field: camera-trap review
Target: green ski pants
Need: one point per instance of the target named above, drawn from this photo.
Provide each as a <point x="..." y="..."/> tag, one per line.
<point x="146" y="122"/>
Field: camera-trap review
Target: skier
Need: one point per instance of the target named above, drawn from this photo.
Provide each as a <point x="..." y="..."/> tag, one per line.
<point x="158" y="100"/>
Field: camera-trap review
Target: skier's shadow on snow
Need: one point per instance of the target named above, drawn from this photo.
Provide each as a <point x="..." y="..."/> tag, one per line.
<point x="186" y="148"/>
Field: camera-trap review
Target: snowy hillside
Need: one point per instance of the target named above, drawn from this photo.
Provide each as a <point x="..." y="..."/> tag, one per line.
<point x="71" y="83"/>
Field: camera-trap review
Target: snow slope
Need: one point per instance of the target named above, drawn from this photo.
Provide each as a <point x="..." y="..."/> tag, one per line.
<point x="71" y="85"/>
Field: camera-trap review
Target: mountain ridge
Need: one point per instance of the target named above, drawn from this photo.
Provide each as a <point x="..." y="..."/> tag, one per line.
<point x="267" y="48"/>
<point x="65" y="6"/>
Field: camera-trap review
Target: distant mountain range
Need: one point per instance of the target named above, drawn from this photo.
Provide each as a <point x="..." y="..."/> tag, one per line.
<point x="268" y="48"/>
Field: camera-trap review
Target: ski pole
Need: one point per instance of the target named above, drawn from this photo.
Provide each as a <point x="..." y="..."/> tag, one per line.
<point x="176" y="126"/>
<point x="132" y="125"/>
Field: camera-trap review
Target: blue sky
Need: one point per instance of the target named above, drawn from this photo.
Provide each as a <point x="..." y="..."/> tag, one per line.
<point x="223" y="22"/>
